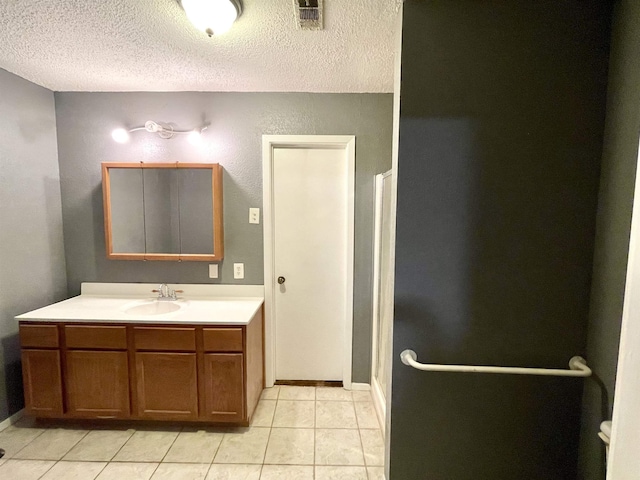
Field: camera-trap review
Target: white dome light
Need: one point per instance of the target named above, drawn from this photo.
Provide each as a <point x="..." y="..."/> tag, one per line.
<point x="195" y="138"/>
<point x="120" y="135"/>
<point x="213" y="17"/>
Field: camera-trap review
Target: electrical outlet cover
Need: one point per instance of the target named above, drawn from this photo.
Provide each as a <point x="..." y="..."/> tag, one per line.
<point x="213" y="270"/>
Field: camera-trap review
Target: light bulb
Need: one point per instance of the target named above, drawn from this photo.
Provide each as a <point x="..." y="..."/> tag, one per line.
<point x="120" y="135"/>
<point x="211" y="16"/>
<point x="195" y="137"/>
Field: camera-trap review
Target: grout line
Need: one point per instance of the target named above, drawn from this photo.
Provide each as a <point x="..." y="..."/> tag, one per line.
<point x="122" y="446"/>
<point x="167" y="452"/>
<point x="264" y="457"/>
<point x="49" y="469"/>
<point x="216" y="451"/>
<point x="364" y="458"/>
<point x="100" y="472"/>
<point x="25" y="446"/>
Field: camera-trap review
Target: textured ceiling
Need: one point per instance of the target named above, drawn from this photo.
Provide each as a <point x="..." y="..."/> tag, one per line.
<point x="149" y="45"/>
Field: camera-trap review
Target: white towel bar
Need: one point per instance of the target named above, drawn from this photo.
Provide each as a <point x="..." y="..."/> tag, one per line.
<point x="578" y="367"/>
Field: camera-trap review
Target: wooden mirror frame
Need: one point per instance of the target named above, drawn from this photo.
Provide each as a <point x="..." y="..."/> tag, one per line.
<point x="217" y="221"/>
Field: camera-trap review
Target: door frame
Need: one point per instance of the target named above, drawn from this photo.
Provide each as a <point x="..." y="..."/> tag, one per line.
<point x="269" y="143"/>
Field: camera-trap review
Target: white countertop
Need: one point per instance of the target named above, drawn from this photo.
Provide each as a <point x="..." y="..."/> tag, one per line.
<point x="198" y="304"/>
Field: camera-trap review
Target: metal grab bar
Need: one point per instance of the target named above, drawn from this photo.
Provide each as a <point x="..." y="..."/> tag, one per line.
<point x="578" y="367"/>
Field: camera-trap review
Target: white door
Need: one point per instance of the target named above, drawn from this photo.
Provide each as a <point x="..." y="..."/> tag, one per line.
<point x="382" y="295"/>
<point x="624" y="461"/>
<point x="310" y="234"/>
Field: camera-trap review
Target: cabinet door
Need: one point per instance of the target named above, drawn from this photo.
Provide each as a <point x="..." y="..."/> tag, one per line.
<point x="167" y="386"/>
<point x="42" y="382"/>
<point x="97" y="384"/>
<point x="224" y="387"/>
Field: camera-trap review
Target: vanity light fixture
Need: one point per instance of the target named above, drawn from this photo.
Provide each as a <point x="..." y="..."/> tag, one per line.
<point x="163" y="130"/>
<point x="213" y="17"/>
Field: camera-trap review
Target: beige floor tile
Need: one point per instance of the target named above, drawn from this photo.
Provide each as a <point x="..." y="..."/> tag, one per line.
<point x="338" y="447"/>
<point x="335" y="415"/>
<point x="24" y="469"/>
<point x="53" y="444"/>
<point x="128" y="471"/>
<point x="146" y="446"/>
<point x="194" y="447"/>
<point x="361" y="395"/>
<point x="373" y="447"/>
<point x="248" y="446"/>
<point x="366" y="414"/>
<point x="270" y="393"/>
<point x="74" y="471"/>
<point x="263" y="415"/>
<point x="181" y="471"/>
<point x="292" y="413"/>
<point x="288" y="472"/>
<point x="14" y="438"/>
<point x="99" y="445"/>
<point x="340" y="473"/>
<point x="288" y="392"/>
<point x="333" y="394"/>
<point x="234" y="472"/>
<point x="376" y="473"/>
<point x="290" y="446"/>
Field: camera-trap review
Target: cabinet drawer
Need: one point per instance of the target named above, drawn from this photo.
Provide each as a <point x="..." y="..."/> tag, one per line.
<point x="165" y="339"/>
<point x="99" y="337"/>
<point x="222" y="339"/>
<point x="39" y="336"/>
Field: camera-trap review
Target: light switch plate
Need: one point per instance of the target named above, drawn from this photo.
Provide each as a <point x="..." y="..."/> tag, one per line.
<point x="213" y="270"/>
<point x="238" y="270"/>
<point x="254" y="215"/>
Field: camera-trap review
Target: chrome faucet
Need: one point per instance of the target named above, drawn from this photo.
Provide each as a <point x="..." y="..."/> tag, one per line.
<point x="165" y="293"/>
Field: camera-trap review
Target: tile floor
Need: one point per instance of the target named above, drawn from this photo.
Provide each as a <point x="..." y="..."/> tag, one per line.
<point x="297" y="433"/>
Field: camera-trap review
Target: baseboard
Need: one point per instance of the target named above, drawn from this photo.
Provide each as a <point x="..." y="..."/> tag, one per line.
<point x="12" y="419"/>
<point x="360" y="386"/>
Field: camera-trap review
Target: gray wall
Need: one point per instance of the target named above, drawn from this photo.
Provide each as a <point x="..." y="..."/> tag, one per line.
<point x="32" y="266"/>
<point x="501" y="126"/>
<point x="620" y="155"/>
<point x="238" y="120"/>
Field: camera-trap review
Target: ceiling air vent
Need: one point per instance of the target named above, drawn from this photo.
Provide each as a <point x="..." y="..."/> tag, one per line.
<point x="308" y="14"/>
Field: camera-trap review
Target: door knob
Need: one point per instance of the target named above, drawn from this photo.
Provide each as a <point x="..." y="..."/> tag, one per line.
<point x="281" y="280"/>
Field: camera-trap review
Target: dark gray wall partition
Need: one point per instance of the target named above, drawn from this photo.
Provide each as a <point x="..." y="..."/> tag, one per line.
<point x="32" y="267"/>
<point x="234" y="139"/>
<point x="501" y="124"/>
<point x="620" y="155"/>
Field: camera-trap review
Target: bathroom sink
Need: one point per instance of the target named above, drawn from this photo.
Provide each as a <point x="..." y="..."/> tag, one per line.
<point x="152" y="307"/>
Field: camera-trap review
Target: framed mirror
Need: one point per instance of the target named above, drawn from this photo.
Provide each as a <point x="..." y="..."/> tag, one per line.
<point x="163" y="211"/>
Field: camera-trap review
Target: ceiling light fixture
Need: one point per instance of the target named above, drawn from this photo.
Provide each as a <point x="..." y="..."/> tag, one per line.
<point x="213" y="17"/>
<point x="163" y="130"/>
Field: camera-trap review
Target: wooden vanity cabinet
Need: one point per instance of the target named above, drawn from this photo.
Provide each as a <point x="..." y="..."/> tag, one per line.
<point x="41" y="370"/>
<point x="224" y="384"/>
<point x="42" y="382"/>
<point x="166" y="373"/>
<point x="144" y="372"/>
<point x="96" y="371"/>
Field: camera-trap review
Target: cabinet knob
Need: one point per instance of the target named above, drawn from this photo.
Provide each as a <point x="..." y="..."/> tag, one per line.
<point x="281" y="280"/>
